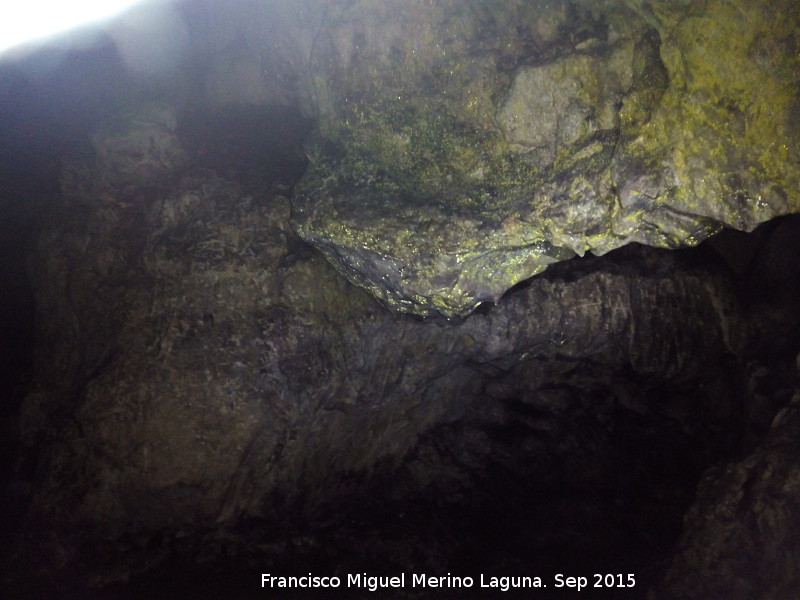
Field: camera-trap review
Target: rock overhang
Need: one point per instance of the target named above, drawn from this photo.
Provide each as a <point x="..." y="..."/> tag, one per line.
<point x="460" y="150"/>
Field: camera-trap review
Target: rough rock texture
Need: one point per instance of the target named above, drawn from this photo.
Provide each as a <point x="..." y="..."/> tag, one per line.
<point x="464" y="146"/>
<point x="212" y="399"/>
<point x="740" y="537"/>
<point x="138" y="148"/>
<point x="743" y="532"/>
<point x="211" y="394"/>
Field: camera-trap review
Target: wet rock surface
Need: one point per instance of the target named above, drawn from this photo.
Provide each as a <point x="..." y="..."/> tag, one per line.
<point x="462" y="148"/>
<point x="212" y="400"/>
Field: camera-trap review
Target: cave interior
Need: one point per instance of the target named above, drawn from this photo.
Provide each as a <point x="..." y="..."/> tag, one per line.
<point x="583" y="453"/>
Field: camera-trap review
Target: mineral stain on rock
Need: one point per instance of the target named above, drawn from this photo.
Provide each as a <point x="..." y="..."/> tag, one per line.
<point x="534" y="373"/>
<point x="634" y="111"/>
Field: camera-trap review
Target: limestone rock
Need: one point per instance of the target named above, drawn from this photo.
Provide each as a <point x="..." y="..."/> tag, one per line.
<point x="225" y="374"/>
<point x="211" y="396"/>
<point x="742" y="535"/>
<point x="460" y="150"/>
<point x="139" y="146"/>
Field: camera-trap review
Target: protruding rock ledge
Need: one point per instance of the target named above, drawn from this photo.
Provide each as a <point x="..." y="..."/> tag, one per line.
<point x="461" y="150"/>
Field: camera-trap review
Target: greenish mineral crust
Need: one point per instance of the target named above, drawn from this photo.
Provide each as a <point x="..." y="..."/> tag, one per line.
<point x="462" y="147"/>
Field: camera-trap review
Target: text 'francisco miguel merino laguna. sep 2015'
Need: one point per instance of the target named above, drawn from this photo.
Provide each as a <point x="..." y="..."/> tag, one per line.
<point x="422" y="580"/>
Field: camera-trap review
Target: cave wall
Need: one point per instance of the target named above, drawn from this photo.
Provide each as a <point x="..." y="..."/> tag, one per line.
<point x="201" y="370"/>
<point x="210" y="394"/>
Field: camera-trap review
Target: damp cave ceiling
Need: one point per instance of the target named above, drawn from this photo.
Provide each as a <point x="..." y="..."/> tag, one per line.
<point x="455" y="148"/>
<point x="461" y="147"/>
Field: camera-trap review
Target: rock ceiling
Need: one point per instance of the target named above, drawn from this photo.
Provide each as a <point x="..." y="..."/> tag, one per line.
<point x="210" y="392"/>
<point x="463" y="147"/>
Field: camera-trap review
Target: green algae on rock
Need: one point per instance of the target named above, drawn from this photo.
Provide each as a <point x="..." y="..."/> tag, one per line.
<point x="460" y="150"/>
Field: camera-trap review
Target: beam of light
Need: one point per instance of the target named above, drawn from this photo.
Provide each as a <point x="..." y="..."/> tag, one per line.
<point x="27" y="21"/>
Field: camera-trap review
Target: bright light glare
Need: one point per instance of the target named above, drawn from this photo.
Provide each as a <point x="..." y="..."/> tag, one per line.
<point x="30" y="20"/>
